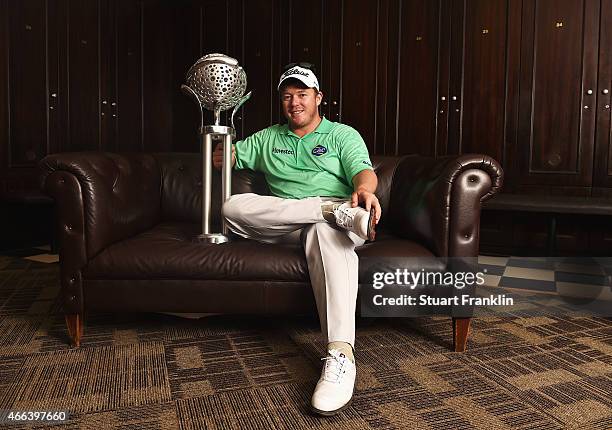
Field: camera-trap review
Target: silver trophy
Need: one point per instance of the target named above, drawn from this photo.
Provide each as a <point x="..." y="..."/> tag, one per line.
<point x="217" y="83"/>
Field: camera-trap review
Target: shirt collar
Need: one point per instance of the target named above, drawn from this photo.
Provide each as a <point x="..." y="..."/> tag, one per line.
<point x="324" y="127"/>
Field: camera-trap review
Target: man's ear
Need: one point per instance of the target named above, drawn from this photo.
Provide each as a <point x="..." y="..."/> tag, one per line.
<point x="319" y="97"/>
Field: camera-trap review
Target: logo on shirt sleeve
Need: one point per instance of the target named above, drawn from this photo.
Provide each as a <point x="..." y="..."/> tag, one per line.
<point x="319" y="150"/>
<point x="367" y="162"/>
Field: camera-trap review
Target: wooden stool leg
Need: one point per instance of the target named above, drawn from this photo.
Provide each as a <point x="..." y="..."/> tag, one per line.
<point x="74" y="323"/>
<point x="461" y="329"/>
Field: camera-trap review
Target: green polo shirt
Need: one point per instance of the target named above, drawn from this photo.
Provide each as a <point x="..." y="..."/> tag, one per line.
<point x="321" y="163"/>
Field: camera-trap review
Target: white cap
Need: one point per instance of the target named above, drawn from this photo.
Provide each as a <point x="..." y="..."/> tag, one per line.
<point x="303" y="74"/>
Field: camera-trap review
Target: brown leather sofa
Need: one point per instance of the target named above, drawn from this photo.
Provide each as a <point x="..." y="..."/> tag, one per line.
<point x="126" y="223"/>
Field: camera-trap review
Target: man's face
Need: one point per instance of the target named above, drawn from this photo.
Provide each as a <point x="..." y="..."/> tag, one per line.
<point x="300" y="106"/>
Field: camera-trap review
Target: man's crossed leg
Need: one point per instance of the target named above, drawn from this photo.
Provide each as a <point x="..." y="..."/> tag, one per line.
<point x="333" y="269"/>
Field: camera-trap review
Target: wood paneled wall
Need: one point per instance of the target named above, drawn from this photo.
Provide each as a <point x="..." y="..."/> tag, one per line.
<point x="525" y="81"/>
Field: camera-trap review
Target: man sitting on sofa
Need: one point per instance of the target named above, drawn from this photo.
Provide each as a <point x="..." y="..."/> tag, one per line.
<point x="319" y="173"/>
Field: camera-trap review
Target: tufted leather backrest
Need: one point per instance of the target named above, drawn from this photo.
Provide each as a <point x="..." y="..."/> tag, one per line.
<point x="181" y="187"/>
<point x="385" y="167"/>
<point x="181" y="193"/>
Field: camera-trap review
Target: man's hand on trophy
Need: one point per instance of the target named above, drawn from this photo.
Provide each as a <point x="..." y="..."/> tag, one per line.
<point x="217" y="156"/>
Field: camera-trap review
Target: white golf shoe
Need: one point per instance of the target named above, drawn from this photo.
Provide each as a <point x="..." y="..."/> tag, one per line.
<point x="334" y="390"/>
<point x="356" y="219"/>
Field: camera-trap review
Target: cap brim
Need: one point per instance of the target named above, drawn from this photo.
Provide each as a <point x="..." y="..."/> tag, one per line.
<point x="299" y="78"/>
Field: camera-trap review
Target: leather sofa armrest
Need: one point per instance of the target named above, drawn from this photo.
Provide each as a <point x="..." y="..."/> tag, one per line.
<point x="100" y="198"/>
<point x="437" y="201"/>
<point x="65" y="189"/>
<point x="119" y="194"/>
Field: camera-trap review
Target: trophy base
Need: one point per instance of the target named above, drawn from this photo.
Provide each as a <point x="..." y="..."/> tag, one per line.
<point x="214" y="238"/>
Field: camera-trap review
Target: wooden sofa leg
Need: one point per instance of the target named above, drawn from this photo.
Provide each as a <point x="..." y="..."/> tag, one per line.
<point x="461" y="329"/>
<point x="74" y="323"/>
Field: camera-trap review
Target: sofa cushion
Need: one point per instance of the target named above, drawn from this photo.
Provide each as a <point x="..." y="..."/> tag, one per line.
<point x="167" y="252"/>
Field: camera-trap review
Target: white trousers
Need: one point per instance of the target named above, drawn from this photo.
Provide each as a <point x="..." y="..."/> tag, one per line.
<point x="333" y="264"/>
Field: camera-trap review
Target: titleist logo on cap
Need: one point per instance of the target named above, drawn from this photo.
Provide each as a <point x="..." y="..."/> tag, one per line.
<point x="295" y="71"/>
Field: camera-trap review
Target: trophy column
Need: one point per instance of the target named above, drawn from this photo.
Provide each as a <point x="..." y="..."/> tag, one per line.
<point x="227" y="173"/>
<point x="212" y="133"/>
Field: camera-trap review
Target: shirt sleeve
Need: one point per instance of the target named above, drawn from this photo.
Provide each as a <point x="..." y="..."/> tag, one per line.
<point x="353" y="153"/>
<point x="248" y="151"/>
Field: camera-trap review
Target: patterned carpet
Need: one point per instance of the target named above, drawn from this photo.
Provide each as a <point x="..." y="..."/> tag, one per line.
<point x="150" y="371"/>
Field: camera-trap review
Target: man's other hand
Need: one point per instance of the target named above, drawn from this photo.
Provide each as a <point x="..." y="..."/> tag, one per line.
<point x="217" y="156"/>
<point x="367" y="200"/>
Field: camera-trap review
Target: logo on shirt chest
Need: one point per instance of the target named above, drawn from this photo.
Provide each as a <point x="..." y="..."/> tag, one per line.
<point x="282" y="151"/>
<point x="319" y="150"/>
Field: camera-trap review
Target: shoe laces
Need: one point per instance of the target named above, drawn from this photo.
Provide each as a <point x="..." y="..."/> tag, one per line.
<point x="334" y="366"/>
<point x="344" y="217"/>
